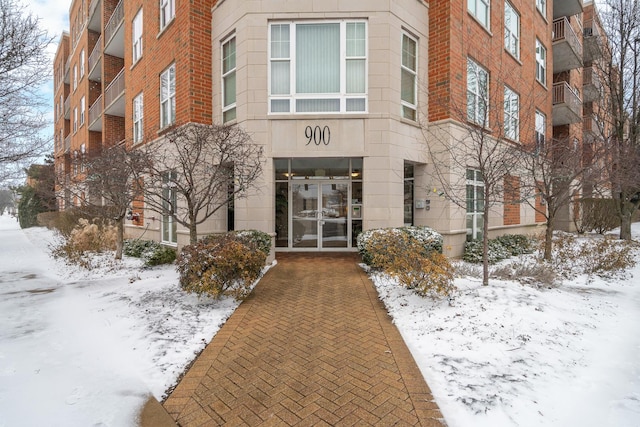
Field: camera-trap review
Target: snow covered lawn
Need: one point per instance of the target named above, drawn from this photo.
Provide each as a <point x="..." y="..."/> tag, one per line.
<point x="86" y="348"/>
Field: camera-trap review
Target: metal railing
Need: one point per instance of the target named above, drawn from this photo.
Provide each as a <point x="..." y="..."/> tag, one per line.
<point x="114" y="22"/>
<point x="96" y="53"/>
<point x="115" y="89"/>
<point x="95" y="111"/>
<point x="562" y="30"/>
<point x="590" y="77"/>
<point x="564" y="94"/>
<point x="67" y="143"/>
<point x="67" y="106"/>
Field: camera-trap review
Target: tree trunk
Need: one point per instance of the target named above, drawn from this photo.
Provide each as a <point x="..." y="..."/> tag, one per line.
<point x="625" y="225"/>
<point x="548" y="239"/>
<point x="193" y="231"/>
<point x="119" y="237"/>
<point x="485" y="243"/>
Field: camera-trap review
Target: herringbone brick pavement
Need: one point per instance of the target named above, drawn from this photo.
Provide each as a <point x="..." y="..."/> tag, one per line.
<point x="312" y="345"/>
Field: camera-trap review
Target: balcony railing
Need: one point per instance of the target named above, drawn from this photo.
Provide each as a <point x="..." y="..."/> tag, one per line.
<point x="96" y="54"/>
<point x="591" y="85"/>
<point x="67" y="71"/>
<point x="67" y="107"/>
<point x="114" y="22"/>
<point x="95" y="111"/>
<point x="115" y="89"/>
<point x="567" y="49"/>
<point x="592" y="41"/>
<point x="67" y="143"/>
<point x="567" y="105"/>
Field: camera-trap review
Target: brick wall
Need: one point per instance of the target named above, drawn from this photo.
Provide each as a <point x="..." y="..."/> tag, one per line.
<point x="511" y="200"/>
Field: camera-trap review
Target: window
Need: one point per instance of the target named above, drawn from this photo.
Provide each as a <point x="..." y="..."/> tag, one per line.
<point x="475" y="204"/>
<point x="229" y="80"/>
<point x="409" y="185"/>
<point x="511" y="30"/>
<point x="169" y="205"/>
<point x="477" y="93"/>
<point x="75" y="119"/>
<point x="541" y="63"/>
<point x="408" y="78"/>
<point x="81" y="63"/>
<point x="138" y="114"/>
<point x="542" y="7"/>
<point x="511" y="114"/>
<point x="541" y="128"/>
<point x="75" y="77"/>
<point x="480" y="10"/>
<point x="136" y="36"/>
<point x="318" y="67"/>
<point x="167" y="12"/>
<point x="82" y="109"/>
<point x="168" y="96"/>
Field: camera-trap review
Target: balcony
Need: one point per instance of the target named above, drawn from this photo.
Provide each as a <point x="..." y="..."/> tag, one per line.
<point x="567" y="106"/>
<point x="567" y="50"/>
<point x="592" y="40"/>
<point x="566" y="8"/>
<point x="95" y="115"/>
<point x="67" y="71"/>
<point x="591" y="85"/>
<point x="95" y="16"/>
<point x="114" y="32"/>
<point x="67" y="144"/>
<point x="114" y="96"/>
<point x="95" y="62"/>
<point x="67" y="108"/>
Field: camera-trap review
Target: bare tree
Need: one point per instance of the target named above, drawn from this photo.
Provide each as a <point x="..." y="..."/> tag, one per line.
<point x="199" y="169"/>
<point x="24" y="68"/>
<point x="108" y="185"/>
<point x="620" y="113"/>
<point x="467" y="156"/>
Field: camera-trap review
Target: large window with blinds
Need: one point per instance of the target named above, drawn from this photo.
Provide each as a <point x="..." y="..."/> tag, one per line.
<point x="318" y="67"/>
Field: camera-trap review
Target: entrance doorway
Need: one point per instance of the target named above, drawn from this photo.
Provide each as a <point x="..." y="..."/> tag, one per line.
<point x="318" y="203"/>
<point x="319" y="215"/>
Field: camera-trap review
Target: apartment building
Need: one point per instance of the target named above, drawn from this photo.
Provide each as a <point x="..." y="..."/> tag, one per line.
<point x="338" y="93"/>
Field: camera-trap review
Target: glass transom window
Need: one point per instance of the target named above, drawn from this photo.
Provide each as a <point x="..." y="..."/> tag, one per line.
<point x="318" y="67"/>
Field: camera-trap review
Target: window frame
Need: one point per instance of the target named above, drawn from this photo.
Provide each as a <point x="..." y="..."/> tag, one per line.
<point x="82" y="111"/>
<point x="541" y="62"/>
<point x="540" y="131"/>
<point x="138" y="118"/>
<point x="75" y="77"/>
<point x="168" y="98"/>
<point x="343" y="96"/>
<point x="511" y="131"/>
<point x="137" y="24"/>
<point x="511" y="41"/>
<point x="475" y="204"/>
<point x="413" y="73"/>
<point x="541" y="5"/>
<point x="473" y="8"/>
<point x="229" y="112"/>
<point x="478" y="95"/>
<point x="170" y="6"/>
<point x="169" y="224"/>
<point x="82" y="60"/>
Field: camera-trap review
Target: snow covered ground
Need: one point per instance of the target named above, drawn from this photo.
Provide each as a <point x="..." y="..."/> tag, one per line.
<point x="80" y="348"/>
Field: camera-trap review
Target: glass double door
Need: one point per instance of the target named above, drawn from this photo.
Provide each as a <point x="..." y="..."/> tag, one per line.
<point x="319" y="214"/>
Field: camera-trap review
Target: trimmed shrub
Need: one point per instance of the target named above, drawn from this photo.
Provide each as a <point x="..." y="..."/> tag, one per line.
<point x="261" y="239"/>
<point x="379" y="247"/>
<point x="153" y="253"/>
<point x="430" y="275"/>
<point x="516" y="244"/>
<point x="473" y="251"/>
<point x="220" y="265"/>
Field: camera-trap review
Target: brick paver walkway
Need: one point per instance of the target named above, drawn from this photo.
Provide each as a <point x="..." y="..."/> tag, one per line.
<point x="311" y="346"/>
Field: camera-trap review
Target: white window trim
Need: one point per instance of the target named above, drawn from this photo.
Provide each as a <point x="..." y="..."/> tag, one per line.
<point x="75" y="77"/>
<point x="82" y="110"/>
<point x="404" y="103"/>
<point x="136" y="39"/>
<point x="75" y="119"/>
<point x="478" y="95"/>
<point x="474" y="13"/>
<point x="509" y="96"/>
<point x="229" y="73"/>
<point x="342" y="95"/>
<point x="542" y="131"/>
<point x="171" y="7"/>
<point x="138" y="118"/>
<point x="82" y="59"/>
<point x="509" y="35"/>
<point x="541" y="5"/>
<point x="171" y="96"/>
<point x="478" y="188"/>
<point x="541" y="65"/>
